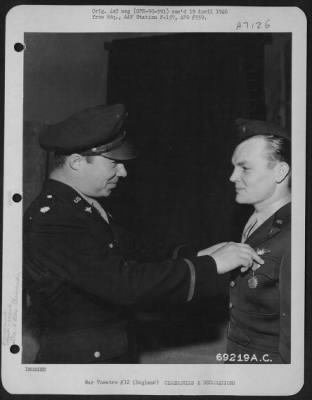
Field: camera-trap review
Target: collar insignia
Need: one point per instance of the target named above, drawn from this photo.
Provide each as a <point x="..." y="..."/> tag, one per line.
<point x="88" y="209"/>
<point x="77" y="199"/>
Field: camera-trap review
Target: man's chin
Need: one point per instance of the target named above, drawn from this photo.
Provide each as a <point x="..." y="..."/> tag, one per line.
<point x="240" y="199"/>
<point x="104" y="193"/>
<point x="107" y="193"/>
<point x="243" y="200"/>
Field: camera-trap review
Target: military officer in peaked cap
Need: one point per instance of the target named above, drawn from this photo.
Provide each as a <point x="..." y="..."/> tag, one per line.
<point x="79" y="272"/>
<point x="259" y="327"/>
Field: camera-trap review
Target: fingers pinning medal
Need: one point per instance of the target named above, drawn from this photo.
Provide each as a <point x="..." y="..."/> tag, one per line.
<point x="254" y="263"/>
<point x="247" y="267"/>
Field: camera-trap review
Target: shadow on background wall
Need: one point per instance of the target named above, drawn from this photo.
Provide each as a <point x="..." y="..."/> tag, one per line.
<point x="183" y="93"/>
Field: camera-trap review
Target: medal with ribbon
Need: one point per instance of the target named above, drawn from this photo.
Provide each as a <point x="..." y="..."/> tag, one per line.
<point x="253" y="281"/>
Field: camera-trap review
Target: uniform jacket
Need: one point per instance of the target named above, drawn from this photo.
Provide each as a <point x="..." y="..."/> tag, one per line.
<point x="260" y="316"/>
<point x="82" y="278"/>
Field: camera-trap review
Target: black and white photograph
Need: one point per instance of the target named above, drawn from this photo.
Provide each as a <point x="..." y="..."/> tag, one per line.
<point x="154" y="200"/>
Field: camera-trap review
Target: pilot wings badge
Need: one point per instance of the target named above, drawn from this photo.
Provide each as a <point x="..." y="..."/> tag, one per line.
<point x="262" y="252"/>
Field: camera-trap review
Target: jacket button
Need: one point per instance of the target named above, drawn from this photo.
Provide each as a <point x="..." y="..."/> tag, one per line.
<point x="111" y="245"/>
<point x="232" y="284"/>
<point x="230" y="305"/>
<point x="97" y="354"/>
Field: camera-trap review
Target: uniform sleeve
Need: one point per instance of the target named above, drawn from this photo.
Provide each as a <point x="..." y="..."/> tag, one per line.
<point x="186" y="249"/>
<point x="141" y="248"/>
<point x="285" y="307"/>
<point x="65" y="252"/>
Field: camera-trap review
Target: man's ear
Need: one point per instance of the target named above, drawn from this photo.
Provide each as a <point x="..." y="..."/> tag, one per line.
<point x="282" y="170"/>
<point x="75" y="161"/>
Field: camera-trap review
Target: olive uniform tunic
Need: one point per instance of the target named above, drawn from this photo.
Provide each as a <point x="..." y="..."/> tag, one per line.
<point x="81" y="277"/>
<point x="260" y="301"/>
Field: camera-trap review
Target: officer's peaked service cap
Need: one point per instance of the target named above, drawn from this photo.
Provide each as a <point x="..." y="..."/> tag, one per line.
<point x="247" y="128"/>
<point x="94" y="131"/>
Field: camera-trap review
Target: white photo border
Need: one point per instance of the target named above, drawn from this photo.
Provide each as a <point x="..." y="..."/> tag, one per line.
<point x="224" y="379"/>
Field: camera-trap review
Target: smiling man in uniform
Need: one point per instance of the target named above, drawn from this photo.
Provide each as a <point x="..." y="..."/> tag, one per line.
<point x="80" y="273"/>
<point x="259" y="328"/>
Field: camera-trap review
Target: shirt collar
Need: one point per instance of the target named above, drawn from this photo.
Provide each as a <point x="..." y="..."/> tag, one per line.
<point x="271" y="209"/>
<point x="71" y="193"/>
<point x="94" y="203"/>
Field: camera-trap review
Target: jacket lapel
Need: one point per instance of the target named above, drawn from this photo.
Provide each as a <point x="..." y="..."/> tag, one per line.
<point x="73" y="199"/>
<point x="271" y="227"/>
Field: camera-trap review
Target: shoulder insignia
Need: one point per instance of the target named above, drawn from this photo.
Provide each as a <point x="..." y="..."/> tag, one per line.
<point x="44" y="210"/>
<point x="274" y="230"/>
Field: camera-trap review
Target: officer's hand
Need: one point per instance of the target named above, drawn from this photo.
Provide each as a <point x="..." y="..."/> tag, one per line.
<point x="233" y="255"/>
<point x="209" y="250"/>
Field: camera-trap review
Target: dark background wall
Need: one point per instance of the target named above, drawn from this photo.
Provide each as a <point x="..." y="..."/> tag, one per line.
<point x="183" y="93"/>
<point x="64" y="73"/>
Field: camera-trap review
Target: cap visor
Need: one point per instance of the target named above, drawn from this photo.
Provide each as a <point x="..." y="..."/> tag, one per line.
<point x="123" y="152"/>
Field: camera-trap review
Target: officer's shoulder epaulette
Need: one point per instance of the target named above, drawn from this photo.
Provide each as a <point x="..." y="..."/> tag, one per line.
<point x="43" y="208"/>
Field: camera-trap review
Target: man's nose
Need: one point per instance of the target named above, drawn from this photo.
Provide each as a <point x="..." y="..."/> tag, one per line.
<point x="233" y="177"/>
<point x="121" y="170"/>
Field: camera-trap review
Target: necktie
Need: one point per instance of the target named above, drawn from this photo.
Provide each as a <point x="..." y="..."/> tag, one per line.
<point x="249" y="227"/>
<point x="100" y="210"/>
